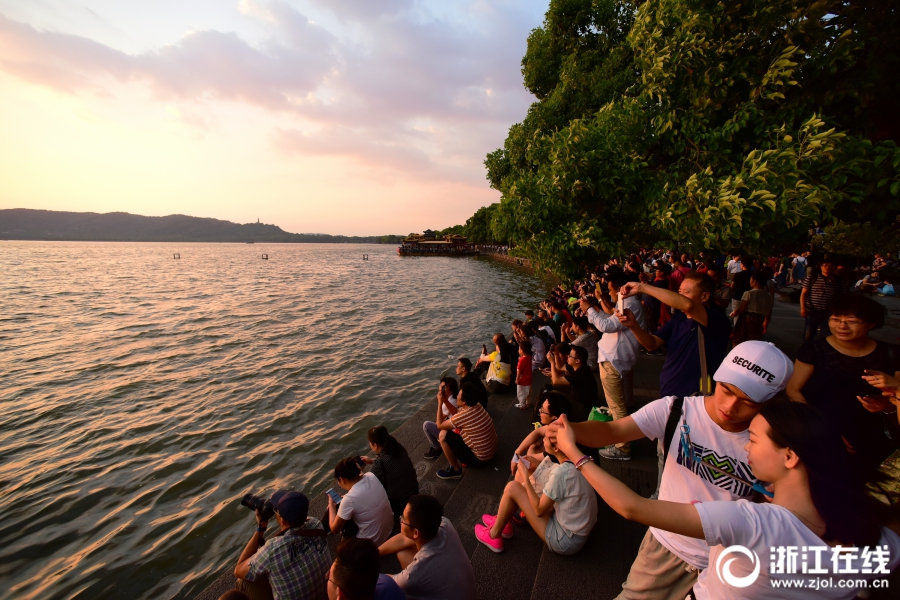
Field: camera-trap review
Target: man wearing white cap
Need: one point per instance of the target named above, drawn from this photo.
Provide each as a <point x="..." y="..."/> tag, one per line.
<point x="704" y="437"/>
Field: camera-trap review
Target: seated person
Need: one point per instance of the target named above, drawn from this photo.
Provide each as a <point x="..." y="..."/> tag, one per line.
<point x="291" y="564"/>
<point x="465" y="374"/>
<point x="870" y="283"/>
<point x="365" y="504"/>
<point x="497" y="365"/>
<point x="580" y="333"/>
<point x="392" y="467"/>
<point x="435" y="564"/>
<point x="531" y="449"/>
<point x="354" y="574"/>
<point x="446" y="405"/>
<point x="562" y="512"/>
<point x="576" y="380"/>
<point x="476" y="441"/>
<point x="887" y="288"/>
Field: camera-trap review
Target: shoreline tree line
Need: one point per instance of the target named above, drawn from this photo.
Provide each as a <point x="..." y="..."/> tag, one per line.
<point x="714" y="124"/>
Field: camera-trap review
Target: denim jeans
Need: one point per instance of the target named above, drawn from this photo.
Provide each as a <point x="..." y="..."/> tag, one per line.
<point x="432" y="432"/>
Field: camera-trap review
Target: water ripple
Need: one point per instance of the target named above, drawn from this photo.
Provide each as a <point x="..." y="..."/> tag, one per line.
<point x="141" y="396"/>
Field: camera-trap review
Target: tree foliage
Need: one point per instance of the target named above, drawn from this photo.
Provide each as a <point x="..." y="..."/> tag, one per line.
<point x="720" y="124"/>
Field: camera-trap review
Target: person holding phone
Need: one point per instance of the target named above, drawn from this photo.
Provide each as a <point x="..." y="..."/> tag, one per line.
<point x="617" y="353"/>
<point x="817" y="503"/>
<point x="365" y="504"/>
<point x="830" y="373"/>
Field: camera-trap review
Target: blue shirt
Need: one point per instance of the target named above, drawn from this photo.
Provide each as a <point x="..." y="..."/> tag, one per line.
<point x="680" y="375"/>
<point x="387" y="589"/>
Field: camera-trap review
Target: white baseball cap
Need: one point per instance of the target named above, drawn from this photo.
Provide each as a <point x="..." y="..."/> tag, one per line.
<point x="759" y="369"/>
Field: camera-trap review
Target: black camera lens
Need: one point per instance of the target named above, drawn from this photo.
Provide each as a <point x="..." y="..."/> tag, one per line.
<point x="263" y="506"/>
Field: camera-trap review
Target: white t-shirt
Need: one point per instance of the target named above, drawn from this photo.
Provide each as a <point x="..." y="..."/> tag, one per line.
<point x="695" y="483"/>
<point x="575" y="502"/>
<point x="444" y="409"/>
<point x="549" y="331"/>
<point x="367" y="505"/>
<point x="763" y="529"/>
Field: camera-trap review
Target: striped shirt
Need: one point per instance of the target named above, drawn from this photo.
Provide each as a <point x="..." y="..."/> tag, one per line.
<point x="477" y="431"/>
<point x="822" y="290"/>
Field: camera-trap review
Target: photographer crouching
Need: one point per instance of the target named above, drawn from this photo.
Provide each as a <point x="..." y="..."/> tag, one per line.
<point x="294" y="563"/>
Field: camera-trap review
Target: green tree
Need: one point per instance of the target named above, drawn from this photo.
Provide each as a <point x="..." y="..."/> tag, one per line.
<point x="719" y="124"/>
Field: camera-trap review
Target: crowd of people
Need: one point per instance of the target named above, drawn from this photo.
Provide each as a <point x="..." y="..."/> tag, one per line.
<point x="754" y="449"/>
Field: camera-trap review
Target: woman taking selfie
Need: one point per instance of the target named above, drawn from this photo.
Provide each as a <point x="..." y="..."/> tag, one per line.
<point x="817" y="502"/>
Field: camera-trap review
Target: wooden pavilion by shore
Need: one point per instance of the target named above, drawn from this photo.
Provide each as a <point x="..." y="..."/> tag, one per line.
<point x="428" y="244"/>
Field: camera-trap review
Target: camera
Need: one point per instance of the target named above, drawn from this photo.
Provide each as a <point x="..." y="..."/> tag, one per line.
<point x="265" y="508"/>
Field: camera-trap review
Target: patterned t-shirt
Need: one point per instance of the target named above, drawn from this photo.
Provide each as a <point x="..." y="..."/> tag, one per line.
<point x="477" y="431"/>
<point x="686" y="480"/>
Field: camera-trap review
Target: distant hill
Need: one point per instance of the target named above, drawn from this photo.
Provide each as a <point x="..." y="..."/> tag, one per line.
<point x="27" y="224"/>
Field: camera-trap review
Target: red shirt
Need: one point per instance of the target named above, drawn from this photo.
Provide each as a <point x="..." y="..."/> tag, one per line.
<point x="523" y="371"/>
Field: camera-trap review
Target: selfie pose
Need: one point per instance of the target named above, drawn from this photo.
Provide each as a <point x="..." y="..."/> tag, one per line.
<point x="817" y="502"/>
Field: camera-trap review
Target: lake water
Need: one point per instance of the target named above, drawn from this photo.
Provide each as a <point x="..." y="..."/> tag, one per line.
<point x="142" y="396"/>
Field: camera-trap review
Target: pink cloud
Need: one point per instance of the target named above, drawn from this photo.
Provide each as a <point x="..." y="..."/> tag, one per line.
<point x="370" y="95"/>
<point x="204" y="62"/>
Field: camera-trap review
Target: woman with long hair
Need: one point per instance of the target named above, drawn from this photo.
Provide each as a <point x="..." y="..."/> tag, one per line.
<point x="817" y="503"/>
<point x="392" y="467"/>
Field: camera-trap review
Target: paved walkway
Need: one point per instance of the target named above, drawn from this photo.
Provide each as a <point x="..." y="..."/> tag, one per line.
<point x="527" y="570"/>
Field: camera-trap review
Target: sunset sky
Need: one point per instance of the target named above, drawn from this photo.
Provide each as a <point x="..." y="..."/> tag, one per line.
<point x="332" y="116"/>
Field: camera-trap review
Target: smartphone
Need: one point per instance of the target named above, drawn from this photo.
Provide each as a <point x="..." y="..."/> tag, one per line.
<point x="334" y="496"/>
<point x="620" y="304"/>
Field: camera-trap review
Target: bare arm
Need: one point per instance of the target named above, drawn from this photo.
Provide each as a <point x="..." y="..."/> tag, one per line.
<point x="644" y="337"/>
<point x="335" y="523"/>
<point x="695" y="310"/>
<point x="597" y="434"/>
<point x="803" y="293"/>
<point x="742" y="307"/>
<point x="802" y="372"/>
<point x="449" y="406"/>
<point x="676" y="517"/>
<point x="395" y="544"/>
<point x="443" y="423"/>
<point x="604" y="305"/>
<point x="540" y="503"/>
<point x="557" y="374"/>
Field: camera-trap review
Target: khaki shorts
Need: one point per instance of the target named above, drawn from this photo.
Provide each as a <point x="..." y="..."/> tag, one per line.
<point x="657" y="574"/>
